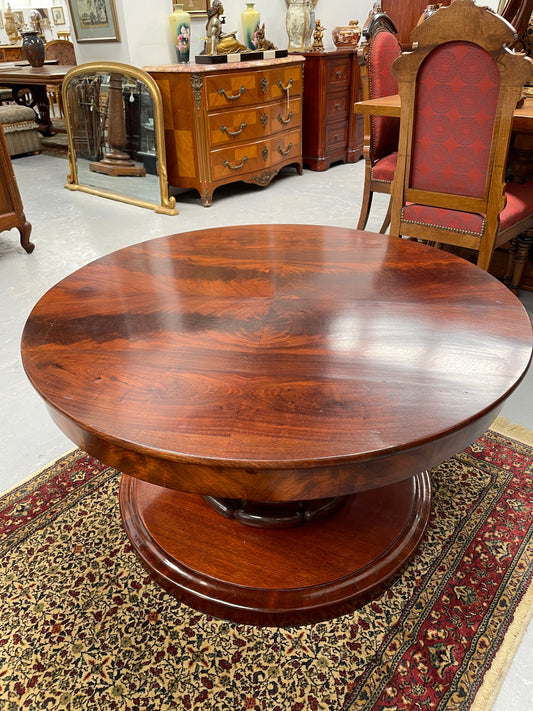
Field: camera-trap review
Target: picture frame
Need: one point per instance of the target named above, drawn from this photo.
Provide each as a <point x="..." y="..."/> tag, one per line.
<point x="88" y="27"/>
<point x="58" y="15"/>
<point x="1" y="21"/>
<point x="18" y="18"/>
<point x="196" y="8"/>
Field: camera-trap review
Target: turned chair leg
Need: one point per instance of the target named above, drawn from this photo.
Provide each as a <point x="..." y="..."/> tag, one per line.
<point x="518" y="256"/>
<point x="386" y="221"/>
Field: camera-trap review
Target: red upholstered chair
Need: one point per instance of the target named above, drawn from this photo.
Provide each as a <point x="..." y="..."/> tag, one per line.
<point x="380" y="144"/>
<point x="459" y="88"/>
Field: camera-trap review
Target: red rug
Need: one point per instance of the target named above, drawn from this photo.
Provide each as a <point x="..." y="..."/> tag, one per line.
<point x="83" y="627"/>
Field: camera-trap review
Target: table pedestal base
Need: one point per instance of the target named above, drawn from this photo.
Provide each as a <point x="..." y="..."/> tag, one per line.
<point x="275" y="576"/>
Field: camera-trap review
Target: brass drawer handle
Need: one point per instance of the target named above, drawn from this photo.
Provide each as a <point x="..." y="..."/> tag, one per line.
<point x="285" y="153"/>
<point x="224" y="129"/>
<point x="289" y="117"/>
<point x="286" y="87"/>
<point x="337" y="107"/>
<point x="241" y="91"/>
<point x="235" y="167"/>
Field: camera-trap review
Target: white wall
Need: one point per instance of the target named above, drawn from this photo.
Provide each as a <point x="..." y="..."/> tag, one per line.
<point x="146" y="38"/>
<point x="144" y="28"/>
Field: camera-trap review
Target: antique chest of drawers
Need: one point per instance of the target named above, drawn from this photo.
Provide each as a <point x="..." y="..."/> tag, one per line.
<point x="331" y="130"/>
<point x="230" y="122"/>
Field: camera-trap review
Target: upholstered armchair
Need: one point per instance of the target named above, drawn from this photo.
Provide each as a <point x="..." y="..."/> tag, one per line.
<point x="459" y="88"/>
<point x="380" y="144"/>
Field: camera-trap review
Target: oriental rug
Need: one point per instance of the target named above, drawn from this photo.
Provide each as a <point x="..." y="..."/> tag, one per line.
<point x="82" y="626"/>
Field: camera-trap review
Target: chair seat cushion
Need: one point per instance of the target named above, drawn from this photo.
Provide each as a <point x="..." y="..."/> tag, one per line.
<point x="518" y="206"/>
<point x="13" y="113"/>
<point x="383" y="169"/>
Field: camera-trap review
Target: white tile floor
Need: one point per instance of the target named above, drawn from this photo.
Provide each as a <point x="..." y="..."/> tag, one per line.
<point x="71" y="229"/>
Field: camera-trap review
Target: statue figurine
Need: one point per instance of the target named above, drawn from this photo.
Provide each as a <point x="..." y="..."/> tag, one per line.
<point x="218" y="42"/>
<point x="263" y="43"/>
<point x="318" y="36"/>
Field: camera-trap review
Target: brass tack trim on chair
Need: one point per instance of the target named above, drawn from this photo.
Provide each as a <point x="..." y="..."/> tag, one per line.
<point x="448" y="229"/>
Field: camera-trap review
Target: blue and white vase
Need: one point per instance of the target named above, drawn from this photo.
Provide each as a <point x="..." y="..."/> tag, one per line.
<point x="300" y="23"/>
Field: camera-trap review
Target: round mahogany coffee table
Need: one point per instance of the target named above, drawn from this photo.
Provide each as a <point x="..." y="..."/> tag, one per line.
<point x="300" y="379"/>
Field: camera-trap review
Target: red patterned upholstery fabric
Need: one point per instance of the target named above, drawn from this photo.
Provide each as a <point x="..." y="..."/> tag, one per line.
<point x="383" y="51"/>
<point x="384" y="169"/>
<point x="517" y="207"/>
<point x="457" y="96"/>
<point x="455" y="220"/>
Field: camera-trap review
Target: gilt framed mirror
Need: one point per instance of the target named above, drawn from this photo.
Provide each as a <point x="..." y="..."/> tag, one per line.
<point x="114" y="121"/>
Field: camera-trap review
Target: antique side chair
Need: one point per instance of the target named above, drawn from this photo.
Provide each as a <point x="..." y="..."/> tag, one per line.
<point x="63" y="52"/>
<point x="459" y="88"/>
<point x="380" y="144"/>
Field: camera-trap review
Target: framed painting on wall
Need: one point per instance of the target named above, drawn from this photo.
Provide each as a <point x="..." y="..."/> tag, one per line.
<point x="94" y="20"/>
<point x="1" y="21"/>
<point x="58" y="15"/>
<point x="196" y="8"/>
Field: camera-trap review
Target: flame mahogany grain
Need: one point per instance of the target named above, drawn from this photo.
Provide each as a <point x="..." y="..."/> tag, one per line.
<point x="276" y="363"/>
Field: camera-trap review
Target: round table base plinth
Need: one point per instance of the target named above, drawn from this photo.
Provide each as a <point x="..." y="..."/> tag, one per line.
<point x="270" y="576"/>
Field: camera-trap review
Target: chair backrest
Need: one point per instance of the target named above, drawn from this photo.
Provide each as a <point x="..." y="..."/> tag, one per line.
<point x="458" y="89"/>
<point x="376" y="56"/>
<point x="405" y="14"/>
<point x="518" y="12"/>
<point x="62" y="50"/>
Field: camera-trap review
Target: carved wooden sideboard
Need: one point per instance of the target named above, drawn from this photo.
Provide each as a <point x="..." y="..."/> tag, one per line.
<point x="331" y="130"/>
<point x="11" y="209"/>
<point x="230" y="122"/>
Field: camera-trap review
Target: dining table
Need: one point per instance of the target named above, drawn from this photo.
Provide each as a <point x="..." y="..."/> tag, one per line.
<point x="391" y="106"/>
<point x="21" y="77"/>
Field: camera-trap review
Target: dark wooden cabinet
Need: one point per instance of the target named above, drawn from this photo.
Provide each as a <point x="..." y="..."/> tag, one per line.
<point x="11" y="210"/>
<point x="331" y="130"/>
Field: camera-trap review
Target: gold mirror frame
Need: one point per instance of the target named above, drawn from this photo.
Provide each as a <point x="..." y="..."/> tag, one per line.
<point x="167" y="204"/>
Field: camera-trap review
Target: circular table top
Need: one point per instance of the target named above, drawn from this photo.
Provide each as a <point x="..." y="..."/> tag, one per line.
<point x="243" y="361"/>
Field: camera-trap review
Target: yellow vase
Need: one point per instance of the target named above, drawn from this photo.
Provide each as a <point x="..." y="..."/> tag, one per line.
<point x="180" y="25"/>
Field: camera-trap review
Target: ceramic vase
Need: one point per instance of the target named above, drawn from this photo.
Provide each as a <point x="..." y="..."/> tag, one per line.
<point x="347" y="35"/>
<point x="33" y="48"/>
<point x="250" y="22"/>
<point x="180" y="25"/>
<point x="300" y="23"/>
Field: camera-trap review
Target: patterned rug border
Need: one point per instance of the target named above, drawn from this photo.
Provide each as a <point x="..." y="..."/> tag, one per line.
<point x="523" y="613"/>
<point x="495" y="676"/>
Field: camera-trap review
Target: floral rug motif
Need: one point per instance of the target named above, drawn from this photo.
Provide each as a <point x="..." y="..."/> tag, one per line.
<point x="82" y="626"/>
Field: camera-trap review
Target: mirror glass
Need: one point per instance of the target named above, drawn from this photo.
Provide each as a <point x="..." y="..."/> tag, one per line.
<point x="116" y="137"/>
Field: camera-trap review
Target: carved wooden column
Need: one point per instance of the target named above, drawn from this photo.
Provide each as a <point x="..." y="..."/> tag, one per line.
<point x="116" y="161"/>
